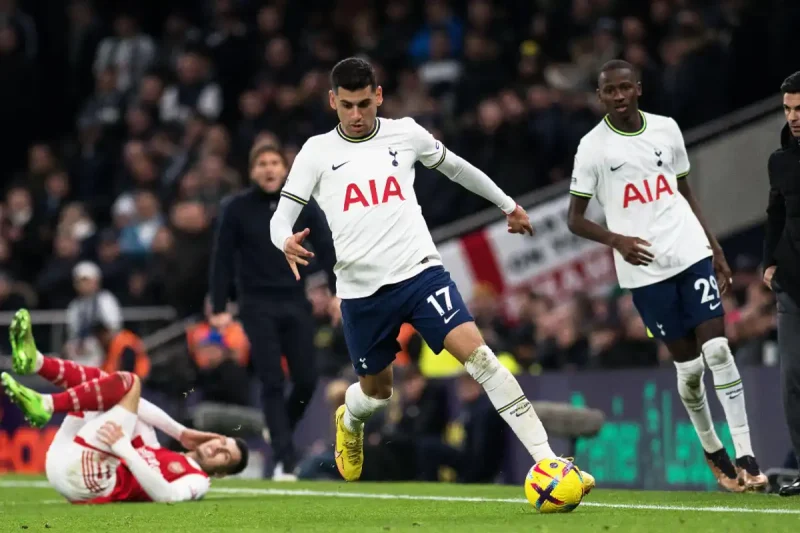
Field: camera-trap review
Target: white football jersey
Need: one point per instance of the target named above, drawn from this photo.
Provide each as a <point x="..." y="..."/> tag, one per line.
<point x="634" y="177"/>
<point x="365" y="187"/>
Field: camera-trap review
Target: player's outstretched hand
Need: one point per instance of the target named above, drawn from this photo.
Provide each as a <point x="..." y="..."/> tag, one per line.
<point x="295" y="253"/>
<point x="519" y="222"/>
<point x="110" y="433"/>
<point x="723" y="271"/>
<point x="191" y="438"/>
<point x="632" y="250"/>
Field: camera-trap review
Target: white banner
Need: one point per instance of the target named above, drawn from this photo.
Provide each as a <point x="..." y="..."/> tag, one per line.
<point x="553" y="262"/>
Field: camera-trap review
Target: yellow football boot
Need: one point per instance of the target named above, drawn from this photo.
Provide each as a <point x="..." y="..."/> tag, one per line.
<point x="349" y="451"/>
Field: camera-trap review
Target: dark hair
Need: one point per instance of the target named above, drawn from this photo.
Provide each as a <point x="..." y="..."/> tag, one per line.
<point x="260" y="149"/>
<point x="98" y="327"/>
<point x="242" y="464"/>
<point x="617" y="64"/>
<point x="352" y="74"/>
<point x="791" y="84"/>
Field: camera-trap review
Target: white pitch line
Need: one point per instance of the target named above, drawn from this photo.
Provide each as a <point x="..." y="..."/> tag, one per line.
<point x="468" y="499"/>
<point x="472" y="499"/>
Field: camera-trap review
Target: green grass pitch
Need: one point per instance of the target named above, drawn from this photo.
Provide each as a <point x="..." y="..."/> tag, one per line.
<point x="28" y="504"/>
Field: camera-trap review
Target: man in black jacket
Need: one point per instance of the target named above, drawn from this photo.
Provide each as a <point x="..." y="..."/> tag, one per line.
<point x="782" y="258"/>
<point x="273" y="307"/>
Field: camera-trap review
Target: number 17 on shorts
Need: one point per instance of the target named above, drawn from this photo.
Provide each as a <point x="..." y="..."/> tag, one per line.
<point x="439" y="310"/>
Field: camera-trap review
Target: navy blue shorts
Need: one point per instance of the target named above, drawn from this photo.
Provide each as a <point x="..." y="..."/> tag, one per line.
<point x="673" y="308"/>
<point x="429" y="301"/>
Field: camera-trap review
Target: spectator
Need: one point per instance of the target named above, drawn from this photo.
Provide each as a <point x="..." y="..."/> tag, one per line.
<point x="136" y="238"/>
<point x="93" y="304"/>
<point x="194" y="92"/>
<point x="23" y="26"/>
<point x="123" y="351"/>
<point x="129" y="52"/>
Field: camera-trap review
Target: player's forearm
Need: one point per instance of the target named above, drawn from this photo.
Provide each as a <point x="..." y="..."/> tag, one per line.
<point x="154" y="416"/>
<point x="322" y="240"/>
<point x="583" y="227"/>
<point x="151" y="481"/>
<point x="683" y="188"/>
<point x="280" y="227"/>
<point x="475" y="180"/>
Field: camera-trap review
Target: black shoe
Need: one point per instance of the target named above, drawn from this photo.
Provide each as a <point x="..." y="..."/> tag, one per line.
<point x="792" y="489"/>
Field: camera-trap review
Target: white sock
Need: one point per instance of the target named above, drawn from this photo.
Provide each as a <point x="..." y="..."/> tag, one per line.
<point x="47" y="400"/>
<point x="507" y="397"/>
<point x="359" y="407"/>
<point x="39" y="361"/>
<point x="693" y="396"/>
<point x="730" y="392"/>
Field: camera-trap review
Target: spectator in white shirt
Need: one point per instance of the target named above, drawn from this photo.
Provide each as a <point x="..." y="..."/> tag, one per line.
<point x="130" y="52"/>
<point x="93" y="305"/>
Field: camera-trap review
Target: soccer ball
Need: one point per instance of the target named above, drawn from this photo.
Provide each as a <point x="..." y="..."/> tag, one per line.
<point x="554" y="486"/>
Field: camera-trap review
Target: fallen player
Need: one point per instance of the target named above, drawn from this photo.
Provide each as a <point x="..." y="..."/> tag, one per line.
<point x="106" y="449"/>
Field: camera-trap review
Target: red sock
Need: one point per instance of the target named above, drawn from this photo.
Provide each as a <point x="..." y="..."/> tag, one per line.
<point x="64" y="373"/>
<point x="98" y="394"/>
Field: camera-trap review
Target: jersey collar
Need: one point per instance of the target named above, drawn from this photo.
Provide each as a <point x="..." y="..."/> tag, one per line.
<point x="365" y="138"/>
<point x="625" y="133"/>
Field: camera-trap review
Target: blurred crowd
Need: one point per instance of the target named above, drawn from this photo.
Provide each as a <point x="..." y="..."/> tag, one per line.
<point x="127" y="122"/>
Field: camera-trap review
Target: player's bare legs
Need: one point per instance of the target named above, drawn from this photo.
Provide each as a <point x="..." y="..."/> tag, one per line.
<point x="730" y="391"/>
<point x="466" y="344"/>
<point x="362" y="399"/>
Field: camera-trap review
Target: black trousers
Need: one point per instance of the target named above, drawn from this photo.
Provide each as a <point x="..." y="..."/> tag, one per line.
<point x="275" y="328"/>
<point x="789" y="353"/>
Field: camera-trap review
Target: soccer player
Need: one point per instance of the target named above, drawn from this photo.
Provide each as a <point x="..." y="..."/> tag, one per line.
<point x="388" y="269"/>
<point x="113" y="456"/>
<point x="636" y="165"/>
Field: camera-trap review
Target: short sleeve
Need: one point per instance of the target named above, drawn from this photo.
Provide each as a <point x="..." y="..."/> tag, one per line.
<point x="189" y="487"/>
<point x="681" y="159"/>
<point x="584" y="172"/>
<point x="430" y="152"/>
<point x="303" y="176"/>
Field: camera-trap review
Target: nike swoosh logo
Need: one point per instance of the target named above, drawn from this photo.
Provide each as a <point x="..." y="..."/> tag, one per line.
<point x="336" y="167"/>
<point x="714" y="306"/>
<point x="613" y="169"/>
<point x="735" y="395"/>
<point x="448" y="319"/>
